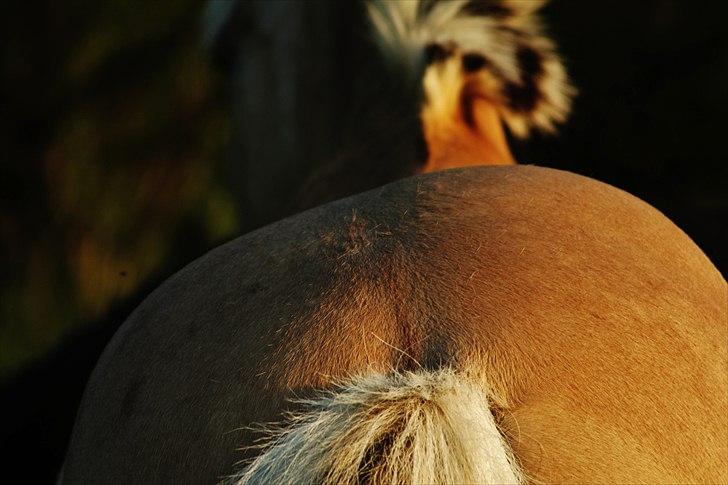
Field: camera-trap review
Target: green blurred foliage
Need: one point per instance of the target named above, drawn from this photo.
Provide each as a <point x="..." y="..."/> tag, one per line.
<point x="113" y="132"/>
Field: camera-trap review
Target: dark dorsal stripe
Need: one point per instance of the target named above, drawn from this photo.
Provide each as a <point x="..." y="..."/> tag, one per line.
<point x="473" y="62"/>
<point x="435" y="53"/>
<point x="466" y="109"/>
<point x="425" y="7"/>
<point x="490" y="8"/>
<point x="530" y="61"/>
<point x="524" y="96"/>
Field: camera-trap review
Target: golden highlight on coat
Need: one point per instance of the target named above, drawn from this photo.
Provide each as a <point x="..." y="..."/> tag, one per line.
<point x="413" y="427"/>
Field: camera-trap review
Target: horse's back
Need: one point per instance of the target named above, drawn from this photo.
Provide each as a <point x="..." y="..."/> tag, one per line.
<point x="599" y="325"/>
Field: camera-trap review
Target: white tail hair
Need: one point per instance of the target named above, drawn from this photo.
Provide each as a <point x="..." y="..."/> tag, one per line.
<point x="498" y="46"/>
<point x="414" y="427"/>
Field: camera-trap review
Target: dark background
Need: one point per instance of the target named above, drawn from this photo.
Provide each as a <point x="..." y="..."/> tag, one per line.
<point x="137" y="136"/>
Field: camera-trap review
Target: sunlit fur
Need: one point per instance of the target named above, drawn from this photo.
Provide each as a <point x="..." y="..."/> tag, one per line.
<point x="526" y="96"/>
<point x="591" y="327"/>
<point x="414" y="427"/>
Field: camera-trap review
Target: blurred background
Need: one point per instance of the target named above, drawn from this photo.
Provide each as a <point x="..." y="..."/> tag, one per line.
<point x="136" y="136"/>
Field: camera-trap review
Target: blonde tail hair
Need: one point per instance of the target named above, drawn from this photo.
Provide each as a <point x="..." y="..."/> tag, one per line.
<point x="414" y="427"/>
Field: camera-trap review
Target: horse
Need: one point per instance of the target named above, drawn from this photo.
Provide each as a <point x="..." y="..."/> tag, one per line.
<point x="481" y="324"/>
<point x="477" y="325"/>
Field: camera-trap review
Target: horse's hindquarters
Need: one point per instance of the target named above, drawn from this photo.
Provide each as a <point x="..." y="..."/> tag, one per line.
<point x="597" y="324"/>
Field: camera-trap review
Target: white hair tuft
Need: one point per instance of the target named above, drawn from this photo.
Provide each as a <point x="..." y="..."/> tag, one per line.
<point x="415" y="427"/>
<point x="500" y="44"/>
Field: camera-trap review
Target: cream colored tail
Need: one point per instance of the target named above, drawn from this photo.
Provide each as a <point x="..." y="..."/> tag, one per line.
<point x="417" y="427"/>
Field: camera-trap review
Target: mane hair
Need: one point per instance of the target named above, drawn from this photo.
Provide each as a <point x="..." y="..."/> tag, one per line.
<point x="498" y="46"/>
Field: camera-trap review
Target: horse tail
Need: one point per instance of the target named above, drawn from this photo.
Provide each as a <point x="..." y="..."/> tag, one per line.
<point x="488" y="49"/>
<point x="414" y="427"/>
